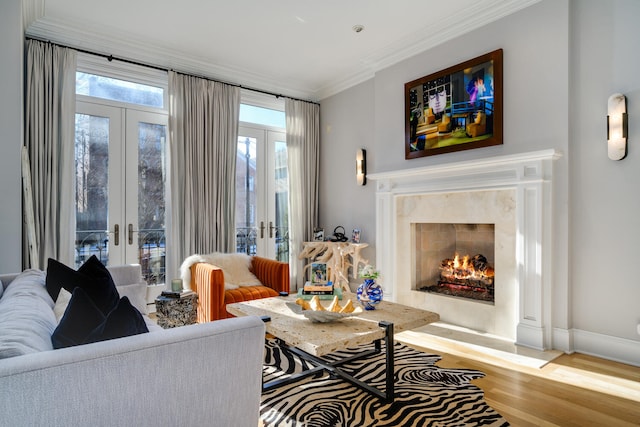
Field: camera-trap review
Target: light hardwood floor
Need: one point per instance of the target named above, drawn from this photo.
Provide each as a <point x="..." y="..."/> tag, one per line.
<point x="571" y="390"/>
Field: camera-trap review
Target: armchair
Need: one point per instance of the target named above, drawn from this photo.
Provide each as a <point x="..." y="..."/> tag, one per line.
<point x="208" y="281"/>
<point x="479" y="126"/>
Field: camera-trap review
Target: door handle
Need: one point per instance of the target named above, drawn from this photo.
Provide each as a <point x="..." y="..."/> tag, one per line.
<point x="116" y="235"/>
<point x="131" y="234"/>
<point x="262" y="229"/>
<point x="271" y="227"/>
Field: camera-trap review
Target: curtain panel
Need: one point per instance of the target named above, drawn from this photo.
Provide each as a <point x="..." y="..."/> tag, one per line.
<point x="50" y="139"/>
<point x="203" y="128"/>
<point x="303" y="151"/>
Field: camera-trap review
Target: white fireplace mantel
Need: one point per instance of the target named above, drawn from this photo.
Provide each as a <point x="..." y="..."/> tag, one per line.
<point x="530" y="175"/>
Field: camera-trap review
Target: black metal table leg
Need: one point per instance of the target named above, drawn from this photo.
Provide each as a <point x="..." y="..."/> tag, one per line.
<point x="333" y="367"/>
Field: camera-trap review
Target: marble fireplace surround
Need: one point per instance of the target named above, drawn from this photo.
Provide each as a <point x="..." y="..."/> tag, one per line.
<point x="514" y="193"/>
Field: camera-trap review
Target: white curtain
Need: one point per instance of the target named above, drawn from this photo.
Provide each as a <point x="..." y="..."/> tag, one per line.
<point x="303" y="152"/>
<point x="203" y="127"/>
<point x="49" y="138"/>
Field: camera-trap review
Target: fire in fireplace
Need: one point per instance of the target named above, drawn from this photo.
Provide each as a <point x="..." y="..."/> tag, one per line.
<point x="466" y="277"/>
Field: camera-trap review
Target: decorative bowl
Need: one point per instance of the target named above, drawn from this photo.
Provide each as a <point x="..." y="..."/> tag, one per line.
<point x="320" y="316"/>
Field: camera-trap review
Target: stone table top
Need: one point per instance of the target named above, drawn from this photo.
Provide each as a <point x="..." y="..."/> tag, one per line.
<point x="320" y="339"/>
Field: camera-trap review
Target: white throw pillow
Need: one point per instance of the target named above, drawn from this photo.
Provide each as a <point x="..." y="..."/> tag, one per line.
<point x="236" y="269"/>
<point x="61" y="304"/>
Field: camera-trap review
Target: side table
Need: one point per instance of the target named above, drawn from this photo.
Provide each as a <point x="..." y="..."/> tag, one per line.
<point x="174" y="312"/>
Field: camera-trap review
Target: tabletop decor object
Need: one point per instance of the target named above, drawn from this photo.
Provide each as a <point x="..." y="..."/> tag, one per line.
<point x="369" y="293"/>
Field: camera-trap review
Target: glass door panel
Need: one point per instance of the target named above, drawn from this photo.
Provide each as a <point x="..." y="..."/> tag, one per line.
<point x="262" y="192"/>
<point x="92" y="179"/>
<point x="96" y="142"/>
<point x="280" y="233"/>
<point x="246" y="195"/>
<point x="145" y="193"/>
<point x="151" y="205"/>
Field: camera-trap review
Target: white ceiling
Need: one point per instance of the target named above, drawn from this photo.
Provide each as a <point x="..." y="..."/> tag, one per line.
<point x="299" y="48"/>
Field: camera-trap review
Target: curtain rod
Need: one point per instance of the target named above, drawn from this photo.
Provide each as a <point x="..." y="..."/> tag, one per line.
<point x="156" y="67"/>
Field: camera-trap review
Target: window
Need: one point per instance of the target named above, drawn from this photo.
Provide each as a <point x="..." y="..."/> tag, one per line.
<point x="119" y="90"/>
<point x="262" y="185"/>
<point x="120" y="165"/>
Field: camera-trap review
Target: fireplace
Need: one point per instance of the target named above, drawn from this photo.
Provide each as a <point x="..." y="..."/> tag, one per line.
<point x="456" y="260"/>
<point x="510" y="195"/>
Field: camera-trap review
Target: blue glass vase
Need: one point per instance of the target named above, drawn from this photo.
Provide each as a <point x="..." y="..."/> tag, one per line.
<point x="369" y="294"/>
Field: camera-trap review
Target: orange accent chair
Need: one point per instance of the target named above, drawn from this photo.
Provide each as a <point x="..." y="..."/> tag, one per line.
<point x="208" y="281"/>
<point x="479" y="126"/>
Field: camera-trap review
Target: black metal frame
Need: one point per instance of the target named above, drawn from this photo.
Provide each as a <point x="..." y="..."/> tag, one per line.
<point x="333" y="367"/>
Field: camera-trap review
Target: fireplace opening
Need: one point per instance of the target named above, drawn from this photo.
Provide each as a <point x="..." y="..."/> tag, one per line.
<point x="456" y="260"/>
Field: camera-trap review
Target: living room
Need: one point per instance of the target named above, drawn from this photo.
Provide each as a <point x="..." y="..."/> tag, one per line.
<point x="562" y="60"/>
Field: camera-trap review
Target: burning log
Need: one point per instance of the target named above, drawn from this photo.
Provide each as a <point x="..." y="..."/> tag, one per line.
<point x="468" y="277"/>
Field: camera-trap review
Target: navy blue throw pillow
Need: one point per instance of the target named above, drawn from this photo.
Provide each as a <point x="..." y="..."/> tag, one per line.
<point x="122" y="321"/>
<point x="84" y="323"/>
<point x="80" y="318"/>
<point x="92" y="276"/>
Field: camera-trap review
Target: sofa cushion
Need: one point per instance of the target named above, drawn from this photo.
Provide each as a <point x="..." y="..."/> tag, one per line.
<point x="26" y="316"/>
<point x="83" y="322"/>
<point x="137" y="294"/>
<point x="92" y="276"/>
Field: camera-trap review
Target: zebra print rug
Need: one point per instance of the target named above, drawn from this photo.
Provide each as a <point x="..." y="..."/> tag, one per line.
<point x="426" y="395"/>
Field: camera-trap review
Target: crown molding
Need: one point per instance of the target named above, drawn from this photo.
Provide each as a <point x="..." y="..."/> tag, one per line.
<point x="32" y="10"/>
<point x="425" y="39"/>
<point x="126" y="46"/>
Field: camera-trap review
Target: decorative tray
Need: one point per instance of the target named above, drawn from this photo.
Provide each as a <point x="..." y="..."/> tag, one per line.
<point x="322" y="316"/>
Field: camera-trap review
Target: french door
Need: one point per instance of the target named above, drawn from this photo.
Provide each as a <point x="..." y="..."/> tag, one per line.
<point x="120" y="187"/>
<point x="262" y="192"/>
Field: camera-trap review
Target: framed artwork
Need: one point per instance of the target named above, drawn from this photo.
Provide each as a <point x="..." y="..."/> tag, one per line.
<point x="459" y="108"/>
<point x="318" y="234"/>
<point x="319" y="273"/>
<point x="355" y="235"/>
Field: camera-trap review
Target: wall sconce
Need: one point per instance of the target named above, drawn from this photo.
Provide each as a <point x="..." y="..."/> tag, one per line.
<point x="617" y="127"/>
<point x="361" y="166"/>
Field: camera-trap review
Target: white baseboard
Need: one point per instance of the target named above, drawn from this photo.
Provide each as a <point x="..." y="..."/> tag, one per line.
<point x="530" y="336"/>
<point x="605" y="346"/>
<point x="563" y="340"/>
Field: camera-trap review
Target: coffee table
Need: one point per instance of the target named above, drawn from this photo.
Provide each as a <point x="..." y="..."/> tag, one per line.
<point x="311" y="341"/>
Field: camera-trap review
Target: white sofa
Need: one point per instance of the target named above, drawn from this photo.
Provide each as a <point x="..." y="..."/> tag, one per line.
<point x="200" y="375"/>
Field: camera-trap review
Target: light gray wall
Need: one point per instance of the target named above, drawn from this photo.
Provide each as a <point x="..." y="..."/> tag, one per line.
<point x="346" y="124"/>
<point x="11" y="71"/>
<point x="535" y="45"/>
<point x="605" y="199"/>
<point x="562" y="59"/>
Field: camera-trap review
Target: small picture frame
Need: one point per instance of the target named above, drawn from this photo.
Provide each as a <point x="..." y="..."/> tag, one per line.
<point x="355" y="235"/>
<point x="319" y="273"/>
<point x="318" y="234"/>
